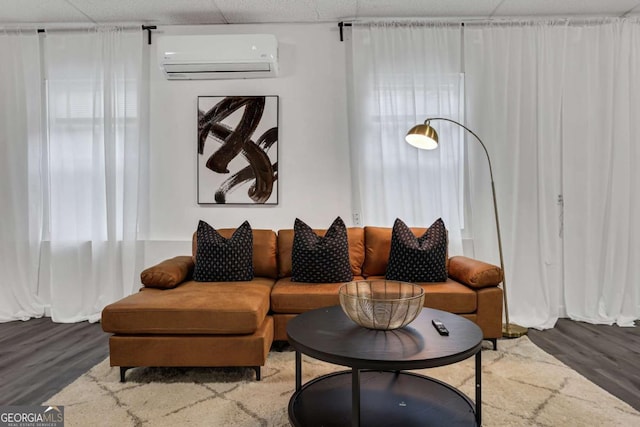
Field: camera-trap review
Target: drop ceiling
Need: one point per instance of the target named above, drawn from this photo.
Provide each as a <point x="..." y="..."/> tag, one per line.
<point x="182" y="12"/>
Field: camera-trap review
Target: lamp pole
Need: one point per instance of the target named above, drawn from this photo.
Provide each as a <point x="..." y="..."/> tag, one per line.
<point x="508" y="330"/>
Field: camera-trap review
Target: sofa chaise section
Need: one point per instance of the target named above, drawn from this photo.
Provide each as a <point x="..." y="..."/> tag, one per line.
<point x="189" y="323"/>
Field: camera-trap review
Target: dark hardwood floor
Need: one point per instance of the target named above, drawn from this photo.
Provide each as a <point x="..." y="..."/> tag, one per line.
<point x="38" y="357"/>
<point x="606" y="355"/>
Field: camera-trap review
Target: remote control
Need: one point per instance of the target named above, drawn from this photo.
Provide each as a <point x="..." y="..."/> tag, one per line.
<point x="440" y="327"/>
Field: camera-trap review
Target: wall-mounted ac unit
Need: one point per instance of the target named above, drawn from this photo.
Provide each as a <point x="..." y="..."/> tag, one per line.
<point x="237" y="56"/>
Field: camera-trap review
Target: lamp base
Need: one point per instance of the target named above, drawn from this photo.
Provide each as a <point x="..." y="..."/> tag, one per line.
<point x="511" y="330"/>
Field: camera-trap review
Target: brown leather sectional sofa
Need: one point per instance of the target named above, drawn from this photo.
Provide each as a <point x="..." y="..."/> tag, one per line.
<point x="175" y="321"/>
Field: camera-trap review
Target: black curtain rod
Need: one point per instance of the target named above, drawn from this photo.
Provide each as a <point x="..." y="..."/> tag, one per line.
<point x="515" y="21"/>
<point x="147" y="28"/>
<point x="341" y="25"/>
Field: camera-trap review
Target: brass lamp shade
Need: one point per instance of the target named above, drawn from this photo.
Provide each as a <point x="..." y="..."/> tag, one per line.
<point x="422" y="136"/>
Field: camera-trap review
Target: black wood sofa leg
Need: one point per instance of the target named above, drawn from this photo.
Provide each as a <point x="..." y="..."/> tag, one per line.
<point x="123" y="369"/>
<point x="494" y="341"/>
<point x="257" y="369"/>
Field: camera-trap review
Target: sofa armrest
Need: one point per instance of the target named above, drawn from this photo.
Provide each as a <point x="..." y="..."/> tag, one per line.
<point x="169" y="273"/>
<point x="474" y="273"/>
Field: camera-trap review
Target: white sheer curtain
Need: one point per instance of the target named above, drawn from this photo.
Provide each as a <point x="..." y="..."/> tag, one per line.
<point x="97" y="169"/>
<point x="601" y="153"/>
<point x="557" y="104"/>
<point x="400" y="74"/>
<point x="514" y="81"/>
<point x="74" y="180"/>
<point x="20" y="180"/>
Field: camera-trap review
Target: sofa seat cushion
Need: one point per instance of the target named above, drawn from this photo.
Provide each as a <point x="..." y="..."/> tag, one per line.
<point x="192" y="308"/>
<point x="450" y="296"/>
<point x="298" y="297"/>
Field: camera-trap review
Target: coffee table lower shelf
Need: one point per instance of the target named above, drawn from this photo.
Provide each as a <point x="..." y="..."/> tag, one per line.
<point x="386" y="399"/>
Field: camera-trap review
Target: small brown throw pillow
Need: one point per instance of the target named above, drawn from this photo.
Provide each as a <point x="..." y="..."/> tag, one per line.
<point x="418" y="259"/>
<point x="167" y="274"/>
<point x="224" y="260"/>
<point x="320" y="259"/>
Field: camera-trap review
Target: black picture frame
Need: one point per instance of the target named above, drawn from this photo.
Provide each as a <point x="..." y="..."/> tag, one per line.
<point x="237" y="150"/>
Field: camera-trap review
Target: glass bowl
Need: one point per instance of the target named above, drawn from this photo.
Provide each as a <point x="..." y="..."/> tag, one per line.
<point x="381" y="304"/>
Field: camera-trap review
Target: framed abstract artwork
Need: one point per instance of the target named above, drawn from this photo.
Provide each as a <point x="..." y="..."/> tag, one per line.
<point x="238" y="150"/>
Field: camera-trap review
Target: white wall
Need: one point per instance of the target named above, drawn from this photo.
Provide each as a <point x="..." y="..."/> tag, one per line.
<point x="313" y="164"/>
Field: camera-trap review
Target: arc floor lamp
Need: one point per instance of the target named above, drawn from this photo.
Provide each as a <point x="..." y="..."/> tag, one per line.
<point x="423" y="136"/>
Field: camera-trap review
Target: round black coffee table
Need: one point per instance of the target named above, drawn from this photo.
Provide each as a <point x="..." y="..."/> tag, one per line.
<point x="376" y="391"/>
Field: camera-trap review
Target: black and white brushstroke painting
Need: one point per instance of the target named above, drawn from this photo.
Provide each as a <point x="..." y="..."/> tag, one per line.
<point x="238" y="150"/>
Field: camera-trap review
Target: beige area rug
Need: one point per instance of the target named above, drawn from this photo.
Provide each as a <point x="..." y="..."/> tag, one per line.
<point x="521" y="386"/>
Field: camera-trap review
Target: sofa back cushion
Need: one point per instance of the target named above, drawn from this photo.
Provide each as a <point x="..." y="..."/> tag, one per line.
<point x="355" y="237"/>
<point x="377" y="242"/>
<point x="264" y="251"/>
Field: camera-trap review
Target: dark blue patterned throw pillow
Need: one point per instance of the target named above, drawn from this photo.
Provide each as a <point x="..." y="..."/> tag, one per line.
<point x="418" y="259"/>
<point x="320" y="259"/>
<point x="223" y="260"/>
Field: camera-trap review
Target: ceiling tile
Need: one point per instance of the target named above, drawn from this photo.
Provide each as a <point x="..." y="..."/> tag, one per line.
<point x="254" y="11"/>
<point x="635" y="11"/>
<point x="335" y="10"/>
<point x="426" y="8"/>
<point x="168" y="12"/>
<point x="38" y="11"/>
<point x="152" y="11"/>
<point x="565" y="7"/>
